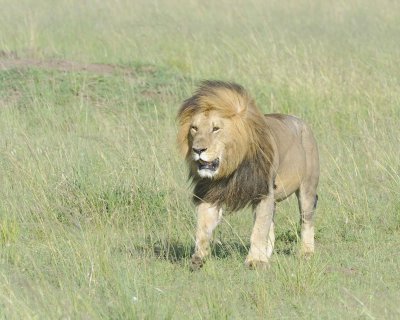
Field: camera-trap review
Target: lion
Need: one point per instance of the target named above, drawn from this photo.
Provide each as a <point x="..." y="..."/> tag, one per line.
<point x="239" y="157"/>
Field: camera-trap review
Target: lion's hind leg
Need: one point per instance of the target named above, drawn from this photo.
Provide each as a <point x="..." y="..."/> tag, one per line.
<point x="307" y="205"/>
<point x="307" y="192"/>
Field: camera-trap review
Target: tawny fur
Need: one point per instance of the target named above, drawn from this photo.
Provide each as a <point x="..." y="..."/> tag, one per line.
<point x="262" y="159"/>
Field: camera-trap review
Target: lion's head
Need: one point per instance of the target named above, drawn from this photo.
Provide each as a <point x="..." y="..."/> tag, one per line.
<point x="220" y="127"/>
<point x="227" y="145"/>
<point x="212" y="152"/>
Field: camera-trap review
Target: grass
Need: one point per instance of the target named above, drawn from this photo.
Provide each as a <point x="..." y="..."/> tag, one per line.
<point x="95" y="213"/>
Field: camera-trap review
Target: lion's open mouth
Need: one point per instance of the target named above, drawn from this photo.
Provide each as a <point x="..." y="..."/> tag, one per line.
<point x="206" y="165"/>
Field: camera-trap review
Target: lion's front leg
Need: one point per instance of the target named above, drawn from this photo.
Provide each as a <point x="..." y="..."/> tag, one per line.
<point x="262" y="238"/>
<point x="208" y="217"/>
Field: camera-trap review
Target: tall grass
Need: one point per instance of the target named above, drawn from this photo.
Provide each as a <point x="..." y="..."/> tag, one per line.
<point x="95" y="216"/>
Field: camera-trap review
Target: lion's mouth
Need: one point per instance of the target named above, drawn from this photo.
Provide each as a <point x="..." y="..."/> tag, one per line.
<point x="208" y="165"/>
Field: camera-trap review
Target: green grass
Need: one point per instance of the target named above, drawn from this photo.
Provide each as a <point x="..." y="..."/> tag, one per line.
<point x="95" y="213"/>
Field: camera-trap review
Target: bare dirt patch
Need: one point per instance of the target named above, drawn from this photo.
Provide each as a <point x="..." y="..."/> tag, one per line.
<point x="61" y="65"/>
<point x="148" y="81"/>
<point x="10" y="60"/>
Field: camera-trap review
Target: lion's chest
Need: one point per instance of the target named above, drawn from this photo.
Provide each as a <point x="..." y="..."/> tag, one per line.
<point x="247" y="185"/>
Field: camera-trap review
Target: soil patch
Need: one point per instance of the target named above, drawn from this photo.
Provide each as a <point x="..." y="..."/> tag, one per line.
<point x="11" y="61"/>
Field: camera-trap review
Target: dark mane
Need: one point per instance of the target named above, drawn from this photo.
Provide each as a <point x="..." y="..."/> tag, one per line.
<point x="246" y="186"/>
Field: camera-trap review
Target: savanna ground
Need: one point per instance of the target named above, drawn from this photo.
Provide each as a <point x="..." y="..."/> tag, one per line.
<point x="95" y="214"/>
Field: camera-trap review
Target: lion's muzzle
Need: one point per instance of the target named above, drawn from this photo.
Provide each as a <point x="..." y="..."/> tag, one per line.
<point x="208" y="165"/>
<point x="207" y="169"/>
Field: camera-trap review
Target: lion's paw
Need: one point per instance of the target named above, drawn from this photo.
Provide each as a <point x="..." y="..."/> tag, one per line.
<point x="306" y="251"/>
<point x="306" y="254"/>
<point x="196" y="263"/>
<point x="257" y="264"/>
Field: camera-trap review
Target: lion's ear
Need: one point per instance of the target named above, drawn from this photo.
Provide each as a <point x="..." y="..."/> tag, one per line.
<point x="240" y="104"/>
<point x="229" y="101"/>
<point x="240" y="107"/>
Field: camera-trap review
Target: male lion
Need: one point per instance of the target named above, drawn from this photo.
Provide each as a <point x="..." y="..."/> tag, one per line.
<point x="237" y="156"/>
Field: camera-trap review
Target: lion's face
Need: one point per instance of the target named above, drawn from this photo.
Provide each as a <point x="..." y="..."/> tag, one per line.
<point x="217" y="129"/>
<point x="215" y="145"/>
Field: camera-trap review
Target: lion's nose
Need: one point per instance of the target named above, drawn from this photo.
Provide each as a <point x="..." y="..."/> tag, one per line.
<point x="199" y="150"/>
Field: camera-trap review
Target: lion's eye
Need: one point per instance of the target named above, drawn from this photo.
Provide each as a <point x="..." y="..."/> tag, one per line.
<point x="215" y="129"/>
<point x="193" y="128"/>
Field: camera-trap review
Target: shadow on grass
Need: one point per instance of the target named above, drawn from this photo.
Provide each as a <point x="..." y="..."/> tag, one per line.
<point x="175" y="251"/>
<point x="286" y="242"/>
<point x="172" y="251"/>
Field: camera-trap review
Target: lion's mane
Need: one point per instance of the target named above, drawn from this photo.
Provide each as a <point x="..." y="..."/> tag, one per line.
<point x="245" y="179"/>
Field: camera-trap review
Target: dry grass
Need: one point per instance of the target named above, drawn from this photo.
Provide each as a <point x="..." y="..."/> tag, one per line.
<point x="95" y="217"/>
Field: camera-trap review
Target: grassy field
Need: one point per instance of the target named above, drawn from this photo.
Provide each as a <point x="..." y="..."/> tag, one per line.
<point x="95" y="214"/>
